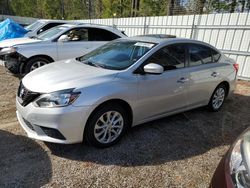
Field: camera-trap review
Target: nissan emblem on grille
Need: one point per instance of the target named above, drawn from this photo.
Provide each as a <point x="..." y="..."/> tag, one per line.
<point x="25" y="96"/>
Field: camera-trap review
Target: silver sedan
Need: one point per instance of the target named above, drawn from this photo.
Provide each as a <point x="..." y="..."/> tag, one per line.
<point x="127" y="82"/>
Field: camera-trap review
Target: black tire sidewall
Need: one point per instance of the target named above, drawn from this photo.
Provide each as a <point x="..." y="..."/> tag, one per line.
<point x="32" y="61"/>
<point x="89" y="129"/>
<point x="210" y="105"/>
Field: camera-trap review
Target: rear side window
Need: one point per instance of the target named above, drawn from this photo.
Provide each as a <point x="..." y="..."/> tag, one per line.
<point x="48" y="26"/>
<point x="170" y="57"/>
<point x="96" y="34"/>
<point x="199" y="55"/>
<point x="216" y="55"/>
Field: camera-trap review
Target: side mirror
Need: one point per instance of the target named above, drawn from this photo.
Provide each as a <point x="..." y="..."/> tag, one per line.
<point x="153" y="68"/>
<point x="63" y="38"/>
<point x="39" y="31"/>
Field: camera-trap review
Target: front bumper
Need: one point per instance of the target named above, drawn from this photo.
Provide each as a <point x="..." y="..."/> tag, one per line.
<point x="47" y="123"/>
<point x="14" y="62"/>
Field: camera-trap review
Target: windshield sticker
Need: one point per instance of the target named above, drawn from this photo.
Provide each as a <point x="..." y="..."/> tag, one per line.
<point x="144" y="44"/>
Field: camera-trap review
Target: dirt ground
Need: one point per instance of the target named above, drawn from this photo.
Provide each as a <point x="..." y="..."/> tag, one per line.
<point x="178" y="151"/>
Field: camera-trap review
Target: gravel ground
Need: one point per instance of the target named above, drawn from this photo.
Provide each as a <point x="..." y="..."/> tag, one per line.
<point x="178" y="151"/>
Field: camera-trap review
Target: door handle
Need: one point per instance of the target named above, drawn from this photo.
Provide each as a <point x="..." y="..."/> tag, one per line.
<point x="182" y="80"/>
<point x="214" y="74"/>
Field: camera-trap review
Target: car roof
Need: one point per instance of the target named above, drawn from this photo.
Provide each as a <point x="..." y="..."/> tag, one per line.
<point x="77" y="24"/>
<point x="56" y="21"/>
<point x="166" y="41"/>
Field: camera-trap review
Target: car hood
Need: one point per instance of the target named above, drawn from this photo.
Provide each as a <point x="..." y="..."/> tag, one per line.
<point x="66" y="74"/>
<point x="16" y="41"/>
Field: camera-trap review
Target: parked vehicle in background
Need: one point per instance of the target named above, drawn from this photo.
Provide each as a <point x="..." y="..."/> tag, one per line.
<point x="61" y="42"/>
<point x="124" y="83"/>
<point x="41" y="26"/>
<point x="234" y="168"/>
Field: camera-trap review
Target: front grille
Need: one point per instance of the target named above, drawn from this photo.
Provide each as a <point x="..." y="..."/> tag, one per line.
<point x="26" y="96"/>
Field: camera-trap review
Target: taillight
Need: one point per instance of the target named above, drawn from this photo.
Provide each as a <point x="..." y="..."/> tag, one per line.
<point x="236" y="67"/>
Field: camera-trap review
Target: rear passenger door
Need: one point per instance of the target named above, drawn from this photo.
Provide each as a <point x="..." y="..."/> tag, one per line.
<point x="200" y="75"/>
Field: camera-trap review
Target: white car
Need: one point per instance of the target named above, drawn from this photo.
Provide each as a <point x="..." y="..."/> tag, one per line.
<point x="124" y="83"/>
<point x="23" y="55"/>
<point x="40" y="26"/>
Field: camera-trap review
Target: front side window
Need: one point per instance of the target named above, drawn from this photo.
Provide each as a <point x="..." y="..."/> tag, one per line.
<point x="117" y="55"/>
<point x="78" y="34"/>
<point x="170" y="57"/>
<point x="199" y="55"/>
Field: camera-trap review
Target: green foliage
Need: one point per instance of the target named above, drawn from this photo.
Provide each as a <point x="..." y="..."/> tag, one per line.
<point x="154" y="8"/>
<point x="84" y="9"/>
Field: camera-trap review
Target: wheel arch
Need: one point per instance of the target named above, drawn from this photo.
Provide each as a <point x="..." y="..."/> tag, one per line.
<point x="226" y="84"/>
<point x="23" y="65"/>
<point x="121" y="102"/>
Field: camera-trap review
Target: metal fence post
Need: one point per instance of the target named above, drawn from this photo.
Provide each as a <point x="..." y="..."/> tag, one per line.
<point x="145" y="25"/>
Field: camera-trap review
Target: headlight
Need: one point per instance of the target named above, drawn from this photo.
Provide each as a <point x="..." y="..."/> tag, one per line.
<point x="57" y="99"/>
<point x="238" y="166"/>
<point x="8" y="50"/>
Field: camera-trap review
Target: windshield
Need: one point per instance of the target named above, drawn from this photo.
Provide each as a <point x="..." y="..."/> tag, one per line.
<point x="34" y="26"/>
<point x="117" y="55"/>
<point x="51" y="33"/>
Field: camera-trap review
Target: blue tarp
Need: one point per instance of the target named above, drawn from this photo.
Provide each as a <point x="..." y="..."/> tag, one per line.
<point x="9" y="29"/>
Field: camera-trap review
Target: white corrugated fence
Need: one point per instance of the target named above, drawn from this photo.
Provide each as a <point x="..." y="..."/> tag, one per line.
<point x="229" y="32"/>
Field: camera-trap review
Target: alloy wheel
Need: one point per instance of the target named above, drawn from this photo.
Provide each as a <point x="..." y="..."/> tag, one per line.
<point x="218" y="98"/>
<point x="37" y="64"/>
<point x="108" y="127"/>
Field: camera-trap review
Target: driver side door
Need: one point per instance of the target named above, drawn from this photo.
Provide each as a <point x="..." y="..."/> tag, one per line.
<point x="165" y="93"/>
<point x="76" y="45"/>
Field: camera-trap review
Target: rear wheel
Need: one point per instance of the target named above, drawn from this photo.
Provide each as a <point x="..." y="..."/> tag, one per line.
<point x="35" y="63"/>
<point x="218" y="98"/>
<point x="106" y="126"/>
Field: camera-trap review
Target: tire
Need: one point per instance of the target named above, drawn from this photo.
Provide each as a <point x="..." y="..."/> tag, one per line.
<point x="218" y="97"/>
<point x="99" y="131"/>
<point x="34" y="63"/>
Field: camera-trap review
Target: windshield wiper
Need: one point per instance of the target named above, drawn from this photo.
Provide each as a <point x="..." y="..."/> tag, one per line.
<point x="90" y="63"/>
<point x="96" y="64"/>
<point x="101" y="65"/>
<point x="35" y="37"/>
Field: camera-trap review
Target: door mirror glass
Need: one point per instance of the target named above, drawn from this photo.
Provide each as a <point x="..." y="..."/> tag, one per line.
<point x="63" y="38"/>
<point x="153" y="68"/>
<point x="39" y="31"/>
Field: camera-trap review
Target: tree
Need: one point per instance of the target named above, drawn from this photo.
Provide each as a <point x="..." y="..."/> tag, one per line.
<point x="200" y="6"/>
<point x="171" y="7"/>
<point x="5" y="7"/>
<point x="248" y="5"/>
<point x="232" y="6"/>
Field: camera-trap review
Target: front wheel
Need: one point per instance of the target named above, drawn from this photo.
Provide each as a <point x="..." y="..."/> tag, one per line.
<point x="218" y="98"/>
<point x="35" y="63"/>
<point x="106" y="126"/>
